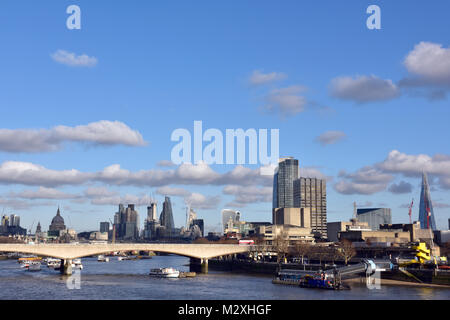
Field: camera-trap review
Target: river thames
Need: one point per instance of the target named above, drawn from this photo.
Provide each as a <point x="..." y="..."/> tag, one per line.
<point x="129" y="280"/>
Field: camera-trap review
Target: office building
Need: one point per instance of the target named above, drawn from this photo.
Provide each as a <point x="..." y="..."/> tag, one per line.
<point x="126" y="222"/>
<point x="283" y="183"/>
<point x="426" y="213"/>
<point x="152" y="213"/>
<point x="312" y="193"/>
<point x="374" y="217"/>
<point x="297" y="217"/>
<point x="166" y="217"/>
<point x="229" y="219"/>
<point x="104" y="227"/>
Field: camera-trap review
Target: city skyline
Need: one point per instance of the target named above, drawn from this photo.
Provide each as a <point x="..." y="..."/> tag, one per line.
<point x="90" y="112"/>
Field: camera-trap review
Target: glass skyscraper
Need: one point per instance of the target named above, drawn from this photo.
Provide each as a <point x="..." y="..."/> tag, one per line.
<point x="283" y="183"/>
<point x="166" y="218"/>
<point x="426" y="214"/>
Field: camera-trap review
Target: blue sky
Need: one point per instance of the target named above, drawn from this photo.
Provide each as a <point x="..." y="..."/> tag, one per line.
<point x="160" y="66"/>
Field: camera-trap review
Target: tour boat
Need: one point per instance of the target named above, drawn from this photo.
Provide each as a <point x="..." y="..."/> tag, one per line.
<point x="165" y="273"/>
<point x="34" y="266"/>
<point x="102" y="258"/>
<point x="76" y="263"/>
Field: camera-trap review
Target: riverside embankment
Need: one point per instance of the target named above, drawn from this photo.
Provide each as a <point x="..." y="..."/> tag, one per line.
<point x="420" y="277"/>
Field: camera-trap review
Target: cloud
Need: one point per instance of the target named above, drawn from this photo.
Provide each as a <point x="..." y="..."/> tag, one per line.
<point x="375" y="178"/>
<point x="363" y="89"/>
<point x="200" y="201"/>
<point x="20" y="205"/>
<point x="25" y="173"/>
<point x="367" y="180"/>
<point x="247" y="195"/>
<point x="43" y="140"/>
<point x="72" y="60"/>
<point x="413" y="166"/>
<point x="430" y="62"/>
<point x="43" y="193"/>
<point x="98" y="192"/>
<point x="259" y="78"/>
<point x="166" y="163"/>
<point x="330" y="137"/>
<point x="401" y="188"/>
<point x="286" y="101"/>
<point x="177" y="192"/>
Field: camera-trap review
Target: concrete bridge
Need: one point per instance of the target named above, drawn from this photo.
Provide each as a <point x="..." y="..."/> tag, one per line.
<point x="68" y="252"/>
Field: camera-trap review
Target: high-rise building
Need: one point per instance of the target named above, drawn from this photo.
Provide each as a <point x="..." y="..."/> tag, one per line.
<point x="283" y="183"/>
<point x="426" y="213"/>
<point x="312" y="193"/>
<point x="104" y="227"/>
<point x="166" y="217"/>
<point x="152" y="213"/>
<point x="126" y="222"/>
<point x="229" y="217"/>
<point x="14" y="221"/>
<point x="374" y="217"/>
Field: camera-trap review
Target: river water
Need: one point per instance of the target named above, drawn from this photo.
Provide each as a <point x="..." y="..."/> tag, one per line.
<point x="129" y="280"/>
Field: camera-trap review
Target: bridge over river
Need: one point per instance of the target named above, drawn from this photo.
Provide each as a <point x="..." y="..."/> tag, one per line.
<point x="68" y="252"/>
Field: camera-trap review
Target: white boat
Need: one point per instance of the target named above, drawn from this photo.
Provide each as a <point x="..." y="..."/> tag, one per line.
<point x="34" y="266"/>
<point x="76" y="263"/>
<point x="53" y="263"/>
<point x="165" y="273"/>
<point x="102" y="258"/>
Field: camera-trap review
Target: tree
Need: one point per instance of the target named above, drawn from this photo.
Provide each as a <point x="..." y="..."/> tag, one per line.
<point x="301" y="249"/>
<point x="280" y="245"/>
<point x="346" y="250"/>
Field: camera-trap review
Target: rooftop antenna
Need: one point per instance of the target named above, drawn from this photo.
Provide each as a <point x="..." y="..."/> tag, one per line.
<point x="354" y="211"/>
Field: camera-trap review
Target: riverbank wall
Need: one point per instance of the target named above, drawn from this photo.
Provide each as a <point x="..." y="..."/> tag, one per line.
<point x="424" y="276"/>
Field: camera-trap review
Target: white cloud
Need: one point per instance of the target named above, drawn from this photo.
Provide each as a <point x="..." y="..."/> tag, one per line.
<point x="169" y="191"/>
<point x="72" y="60"/>
<point x="259" y="78"/>
<point x="244" y="195"/>
<point x="287" y="101"/>
<point x="413" y="166"/>
<point x="401" y="188"/>
<point x="330" y="137"/>
<point x="363" y="89"/>
<point x="430" y="61"/>
<point x="43" y="193"/>
<point x="367" y="180"/>
<point x="43" y="140"/>
<point x="25" y="173"/>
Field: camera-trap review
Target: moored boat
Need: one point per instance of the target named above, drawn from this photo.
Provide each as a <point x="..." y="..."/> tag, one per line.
<point x="165" y="273"/>
<point x="102" y="258"/>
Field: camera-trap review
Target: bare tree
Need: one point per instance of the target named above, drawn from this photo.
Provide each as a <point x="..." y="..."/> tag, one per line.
<point x="280" y="245"/>
<point x="346" y="250"/>
<point x="301" y="250"/>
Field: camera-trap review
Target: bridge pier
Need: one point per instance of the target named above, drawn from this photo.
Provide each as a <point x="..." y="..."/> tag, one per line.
<point x="198" y="265"/>
<point x="66" y="267"/>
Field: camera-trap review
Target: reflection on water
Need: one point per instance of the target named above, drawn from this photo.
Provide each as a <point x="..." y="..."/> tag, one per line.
<point x="129" y="280"/>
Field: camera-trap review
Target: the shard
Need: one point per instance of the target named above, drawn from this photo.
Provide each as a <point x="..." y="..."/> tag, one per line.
<point x="426" y="214"/>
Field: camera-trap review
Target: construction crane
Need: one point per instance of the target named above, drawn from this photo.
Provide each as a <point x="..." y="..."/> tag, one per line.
<point x="410" y="210"/>
<point x="31" y="228"/>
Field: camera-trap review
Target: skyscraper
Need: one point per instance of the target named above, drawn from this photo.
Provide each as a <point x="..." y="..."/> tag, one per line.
<point x="166" y="217"/>
<point x="126" y="222"/>
<point x="283" y="183"/>
<point x="229" y="217"/>
<point x="426" y="213"/>
<point x="312" y="193"/>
